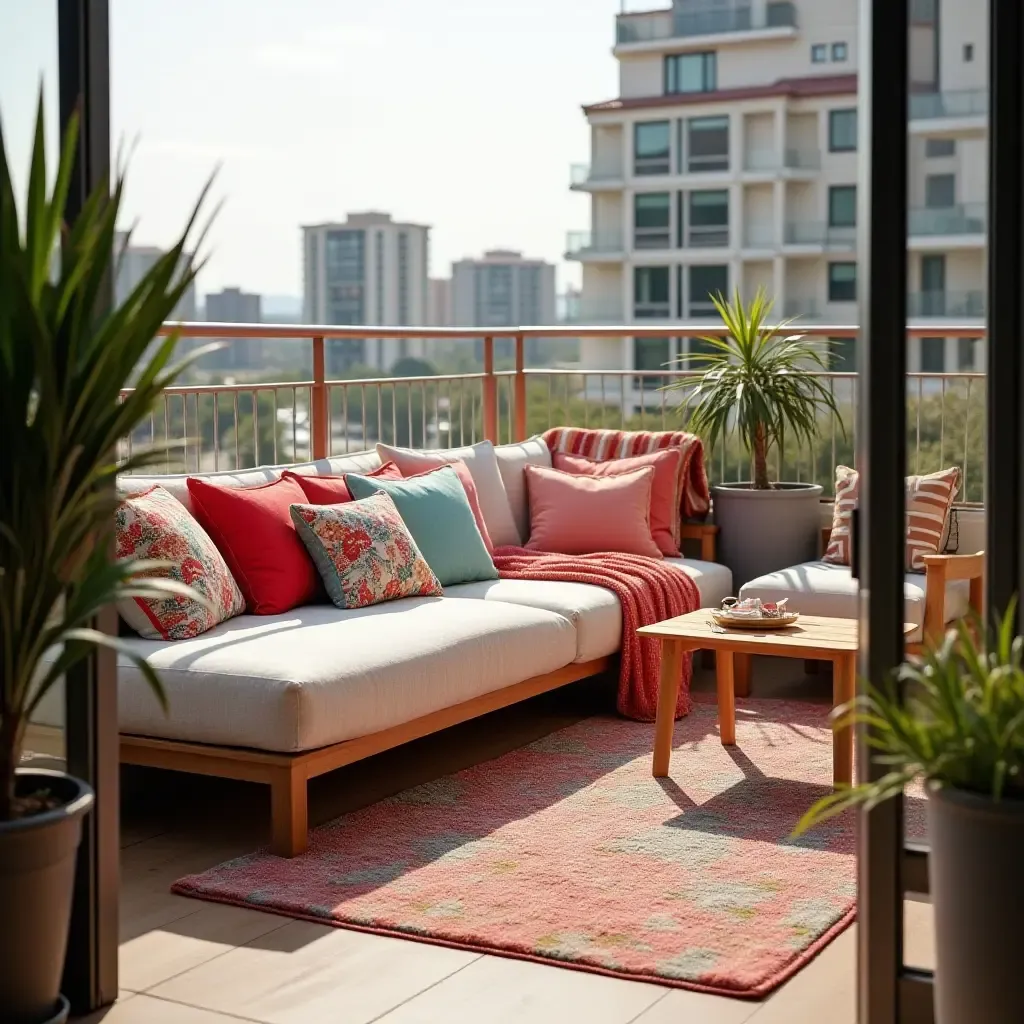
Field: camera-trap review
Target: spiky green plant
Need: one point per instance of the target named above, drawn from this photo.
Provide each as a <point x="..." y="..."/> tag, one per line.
<point x="757" y="379"/>
<point x="65" y="356"/>
<point x="955" y="718"/>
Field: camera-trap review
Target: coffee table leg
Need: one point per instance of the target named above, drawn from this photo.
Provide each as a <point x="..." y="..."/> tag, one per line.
<point x="844" y="683"/>
<point x="668" y="695"/>
<point x="741" y="674"/>
<point x="726" y="679"/>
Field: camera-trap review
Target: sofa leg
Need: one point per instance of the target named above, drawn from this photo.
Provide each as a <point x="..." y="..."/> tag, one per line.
<point x="289" y="813"/>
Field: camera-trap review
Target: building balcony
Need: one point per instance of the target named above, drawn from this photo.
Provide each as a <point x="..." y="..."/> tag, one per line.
<point x="819" y="236"/>
<point x="596" y="313"/>
<point x="964" y="223"/>
<point x="771" y="162"/>
<point x="960" y="110"/>
<point x="968" y="304"/>
<point x="801" y="309"/>
<point x="716" y="24"/>
<point x="596" y="245"/>
<point x="587" y="178"/>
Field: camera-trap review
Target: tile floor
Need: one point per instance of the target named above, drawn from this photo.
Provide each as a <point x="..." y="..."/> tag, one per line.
<point x="188" y="962"/>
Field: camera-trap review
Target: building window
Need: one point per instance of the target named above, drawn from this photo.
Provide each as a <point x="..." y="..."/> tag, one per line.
<point x="704" y="282"/>
<point x="940" y="191"/>
<point x="691" y="72"/>
<point x="650" y="293"/>
<point x="651" y="147"/>
<point x="819" y="53"/>
<point x="842" y="282"/>
<point x="379" y="274"/>
<point x="839" y="52"/>
<point x="933" y="355"/>
<point x="965" y="354"/>
<point x="842" y="131"/>
<point x="652" y="220"/>
<point x="939" y="147"/>
<point x="403" y="278"/>
<point x="968" y="52"/>
<point x="842" y="355"/>
<point x="842" y="206"/>
<point x="708" y="218"/>
<point x="651" y="354"/>
<point x="707" y="144"/>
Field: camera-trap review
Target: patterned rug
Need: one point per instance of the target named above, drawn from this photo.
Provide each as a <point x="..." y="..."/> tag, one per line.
<point x="568" y="852"/>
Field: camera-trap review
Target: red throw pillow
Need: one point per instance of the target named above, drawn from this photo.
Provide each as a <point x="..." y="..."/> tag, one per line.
<point x="469" y="486"/>
<point x="253" y="529"/>
<point x="324" y="489"/>
<point x="664" y="490"/>
<point x="579" y="515"/>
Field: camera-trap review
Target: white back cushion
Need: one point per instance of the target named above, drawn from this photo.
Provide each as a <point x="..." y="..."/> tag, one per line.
<point x="512" y="462"/>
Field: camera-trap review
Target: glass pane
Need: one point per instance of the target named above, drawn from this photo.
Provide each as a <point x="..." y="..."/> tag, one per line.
<point x="965" y="349"/>
<point x="706" y="281"/>
<point x="650" y="285"/>
<point x="933" y="355"/>
<point x="842" y="282"/>
<point x="652" y="210"/>
<point x="690" y="72"/>
<point x="651" y="354"/>
<point x="651" y="138"/>
<point x="711" y="207"/>
<point x="940" y="190"/>
<point x="842" y="356"/>
<point x="842" y="130"/>
<point x="842" y="206"/>
<point x="708" y="144"/>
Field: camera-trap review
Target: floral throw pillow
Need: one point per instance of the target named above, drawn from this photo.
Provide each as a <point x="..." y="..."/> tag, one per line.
<point x="156" y="525"/>
<point x="364" y="552"/>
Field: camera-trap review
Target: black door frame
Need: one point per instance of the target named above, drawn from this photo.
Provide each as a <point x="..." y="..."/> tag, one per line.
<point x="91" y="736"/>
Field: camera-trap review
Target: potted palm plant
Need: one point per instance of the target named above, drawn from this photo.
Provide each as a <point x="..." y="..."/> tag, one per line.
<point x="762" y="382"/>
<point x="64" y="360"/>
<point x="954" y="720"/>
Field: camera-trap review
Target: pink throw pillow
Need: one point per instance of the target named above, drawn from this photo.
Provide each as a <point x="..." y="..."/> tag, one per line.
<point x="578" y="515"/>
<point x="664" y="491"/>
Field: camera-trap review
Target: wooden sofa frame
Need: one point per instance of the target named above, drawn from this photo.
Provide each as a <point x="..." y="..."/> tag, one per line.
<point x="288" y="774"/>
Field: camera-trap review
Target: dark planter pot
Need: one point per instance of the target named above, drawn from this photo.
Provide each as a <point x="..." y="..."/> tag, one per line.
<point x="764" y="531"/>
<point x="977" y="888"/>
<point x="37" y="872"/>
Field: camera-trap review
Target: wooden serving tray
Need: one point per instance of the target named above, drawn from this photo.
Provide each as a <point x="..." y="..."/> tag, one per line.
<point x="745" y="622"/>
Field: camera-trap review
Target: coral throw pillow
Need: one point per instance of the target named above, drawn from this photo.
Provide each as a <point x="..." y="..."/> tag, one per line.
<point x="578" y="515"/>
<point x="928" y="499"/>
<point x="364" y="552"/>
<point x="324" y="489"/>
<point x="253" y="528"/>
<point x="665" y="490"/>
<point x="156" y="525"/>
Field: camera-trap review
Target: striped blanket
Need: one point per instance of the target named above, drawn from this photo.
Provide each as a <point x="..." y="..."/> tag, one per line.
<point x="606" y="445"/>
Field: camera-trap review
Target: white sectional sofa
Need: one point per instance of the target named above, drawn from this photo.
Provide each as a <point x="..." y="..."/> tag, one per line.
<point x="279" y="699"/>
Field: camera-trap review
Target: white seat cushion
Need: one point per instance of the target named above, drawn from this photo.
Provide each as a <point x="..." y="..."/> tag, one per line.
<point x="318" y="675"/>
<point x="820" y="588"/>
<point x="594" y="611"/>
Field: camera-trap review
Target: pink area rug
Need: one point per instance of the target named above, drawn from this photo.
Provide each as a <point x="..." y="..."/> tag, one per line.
<point x="568" y="852"/>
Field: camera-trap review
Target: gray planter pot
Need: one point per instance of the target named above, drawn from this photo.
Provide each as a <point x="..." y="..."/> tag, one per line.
<point x="37" y="872"/>
<point x="764" y="531"/>
<point x="977" y="889"/>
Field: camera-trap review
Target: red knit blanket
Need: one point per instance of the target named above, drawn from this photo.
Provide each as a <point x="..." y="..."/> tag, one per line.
<point x="649" y="590"/>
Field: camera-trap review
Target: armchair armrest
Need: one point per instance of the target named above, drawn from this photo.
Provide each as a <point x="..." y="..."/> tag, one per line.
<point x="939" y="570"/>
<point x="703" y="532"/>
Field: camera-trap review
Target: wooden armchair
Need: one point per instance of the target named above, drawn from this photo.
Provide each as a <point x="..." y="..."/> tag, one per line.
<point x="705" y="534"/>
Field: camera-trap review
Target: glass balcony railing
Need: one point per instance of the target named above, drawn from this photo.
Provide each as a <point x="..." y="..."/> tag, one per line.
<point x="803" y="309"/>
<point x="592" y="243"/>
<point x="963" y="103"/>
<point x="585" y="174"/>
<point x="962" y="219"/>
<point x="594" y="313"/>
<point x="712" y="20"/>
<point x="818" y="233"/>
<point x="767" y="160"/>
<point x="946" y="304"/>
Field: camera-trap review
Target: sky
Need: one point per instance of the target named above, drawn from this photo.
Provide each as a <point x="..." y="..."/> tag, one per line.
<point x="461" y="114"/>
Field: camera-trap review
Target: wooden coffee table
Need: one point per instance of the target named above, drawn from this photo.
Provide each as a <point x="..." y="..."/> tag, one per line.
<point x="813" y="637"/>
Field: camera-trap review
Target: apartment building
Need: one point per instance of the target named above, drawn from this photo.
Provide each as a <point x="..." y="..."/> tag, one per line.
<point x="368" y="270"/>
<point x="133" y="262"/>
<point x="729" y="159"/>
<point x="233" y="306"/>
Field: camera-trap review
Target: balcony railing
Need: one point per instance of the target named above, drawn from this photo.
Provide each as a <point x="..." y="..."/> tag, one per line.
<point x="962" y="219"/>
<point x="584" y="174"/>
<point x="204" y="427"/>
<point x="791" y="160"/>
<point x="592" y="243"/>
<point x="818" y="233"/>
<point x="946" y="304"/>
<point x="717" y="19"/>
<point x="961" y="103"/>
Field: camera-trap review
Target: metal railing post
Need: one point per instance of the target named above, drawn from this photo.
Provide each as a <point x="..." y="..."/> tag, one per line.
<point x="519" y="433"/>
<point x="490" y="396"/>
<point x="319" y="422"/>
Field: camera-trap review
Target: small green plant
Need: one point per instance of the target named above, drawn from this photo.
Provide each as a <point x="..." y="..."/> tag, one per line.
<point x="955" y="719"/>
<point x="759" y="379"/>
<point x="65" y="358"/>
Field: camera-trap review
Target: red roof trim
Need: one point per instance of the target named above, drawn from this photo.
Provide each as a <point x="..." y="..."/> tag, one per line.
<point x="812" y="85"/>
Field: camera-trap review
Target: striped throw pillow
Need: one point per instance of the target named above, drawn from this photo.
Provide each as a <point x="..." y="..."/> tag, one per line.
<point x="928" y="498"/>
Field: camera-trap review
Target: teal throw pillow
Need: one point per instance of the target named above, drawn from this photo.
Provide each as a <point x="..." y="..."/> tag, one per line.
<point x="437" y="513"/>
